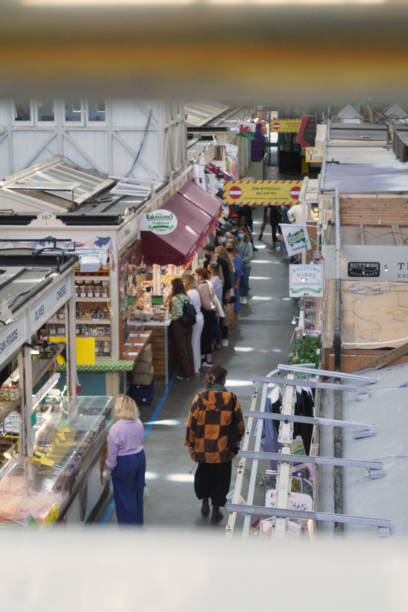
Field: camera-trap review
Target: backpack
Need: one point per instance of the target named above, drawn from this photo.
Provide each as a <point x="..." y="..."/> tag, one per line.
<point x="188" y="317"/>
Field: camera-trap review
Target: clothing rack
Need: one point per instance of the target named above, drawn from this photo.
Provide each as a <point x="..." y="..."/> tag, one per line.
<point x="256" y="416"/>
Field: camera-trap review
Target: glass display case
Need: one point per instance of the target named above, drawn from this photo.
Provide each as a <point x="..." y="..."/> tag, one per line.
<point x="38" y="489"/>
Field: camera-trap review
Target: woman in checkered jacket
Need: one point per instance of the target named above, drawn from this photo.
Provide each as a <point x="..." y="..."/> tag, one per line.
<point x="215" y="427"/>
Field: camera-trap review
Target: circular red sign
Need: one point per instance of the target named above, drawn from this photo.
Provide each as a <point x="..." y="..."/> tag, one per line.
<point x="276" y="125"/>
<point x="235" y="193"/>
<point x="295" y="192"/>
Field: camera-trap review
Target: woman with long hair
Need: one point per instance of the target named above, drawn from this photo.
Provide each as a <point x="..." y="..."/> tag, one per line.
<point x="126" y="461"/>
<point x="244" y="248"/>
<point x="182" y="334"/>
<point x="190" y="285"/>
<point x="237" y="262"/>
<point x="228" y="274"/>
<point x="215" y="427"/>
<point x="209" y="311"/>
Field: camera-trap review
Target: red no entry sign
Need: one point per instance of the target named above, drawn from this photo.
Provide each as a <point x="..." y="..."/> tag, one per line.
<point x="276" y="125"/>
<point x="235" y="193"/>
<point x="295" y="192"/>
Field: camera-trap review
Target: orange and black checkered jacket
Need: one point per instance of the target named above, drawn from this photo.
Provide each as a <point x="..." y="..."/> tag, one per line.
<point x="209" y="424"/>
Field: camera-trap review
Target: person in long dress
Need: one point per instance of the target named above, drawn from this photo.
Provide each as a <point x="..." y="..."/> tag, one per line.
<point x="190" y="285"/>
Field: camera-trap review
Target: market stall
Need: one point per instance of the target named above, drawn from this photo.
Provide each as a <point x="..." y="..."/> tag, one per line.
<point x="171" y="237"/>
<point x="50" y="438"/>
<point x="56" y="206"/>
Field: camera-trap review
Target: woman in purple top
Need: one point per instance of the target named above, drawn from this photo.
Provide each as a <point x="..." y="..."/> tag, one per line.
<point x="127" y="462"/>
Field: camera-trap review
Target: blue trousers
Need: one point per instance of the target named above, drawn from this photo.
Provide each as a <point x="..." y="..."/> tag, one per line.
<point x="244" y="282"/>
<point x="128" y="478"/>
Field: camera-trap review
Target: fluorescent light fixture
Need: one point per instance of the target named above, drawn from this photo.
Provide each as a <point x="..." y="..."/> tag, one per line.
<point x="261" y="298"/>
<point x="7" y="455"/>
<point x="286" y="299"/>
<point x="265" y="261"/>
<point x="296" y="2"/>
<point x="243" y="349"/>
<point x="261" y="246"/>
<point x="180" y="477"/>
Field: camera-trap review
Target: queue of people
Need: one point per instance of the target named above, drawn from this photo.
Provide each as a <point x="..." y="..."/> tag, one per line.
<point x="204" y="305"/>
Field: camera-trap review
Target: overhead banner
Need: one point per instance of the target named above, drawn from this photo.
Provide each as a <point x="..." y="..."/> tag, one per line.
<point x="306" y="280"/>
<point x="285" y="126"/>
<point x="262" y="193"/>
<point x="296" y="238"/>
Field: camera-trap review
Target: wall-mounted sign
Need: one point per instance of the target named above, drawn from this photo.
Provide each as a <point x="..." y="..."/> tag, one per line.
<point x="160" y="221"/>
<point x="261" y="192"/>
<point x="306" y="280"/>
<point x="364" y="269"/>
<point x="11" y="338"/>
<point x="285" y="125"/>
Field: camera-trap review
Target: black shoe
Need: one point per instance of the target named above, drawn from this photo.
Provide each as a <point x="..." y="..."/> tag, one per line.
<point x="216" y="516"/>
<point x="260" y="237"/>
<point x="254" y="249"/>
<point x="205" y="508"/>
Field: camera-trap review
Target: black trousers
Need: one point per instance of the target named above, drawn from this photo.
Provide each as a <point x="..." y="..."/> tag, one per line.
<point x="208" y="331"/>
<point x="213" y="480"/>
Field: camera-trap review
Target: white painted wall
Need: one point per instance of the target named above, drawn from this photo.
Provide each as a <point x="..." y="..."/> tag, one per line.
<point x="110" y="147"/>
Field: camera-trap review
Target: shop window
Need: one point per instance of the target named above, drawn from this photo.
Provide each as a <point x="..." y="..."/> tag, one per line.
<point x="22" y="111"/>
<point x="73" y="111"/>
<point x="96" y="112"/>
<point x="45" y="110"/>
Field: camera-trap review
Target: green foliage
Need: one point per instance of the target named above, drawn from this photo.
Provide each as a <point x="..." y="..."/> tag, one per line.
<point x="306" y="350"/>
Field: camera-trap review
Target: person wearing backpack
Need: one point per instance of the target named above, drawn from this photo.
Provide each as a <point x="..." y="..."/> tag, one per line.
<point x="182" y="329"/>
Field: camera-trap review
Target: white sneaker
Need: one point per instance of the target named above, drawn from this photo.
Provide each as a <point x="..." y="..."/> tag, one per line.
<point x="244" y="300"/>
<point x="225" y="342"/>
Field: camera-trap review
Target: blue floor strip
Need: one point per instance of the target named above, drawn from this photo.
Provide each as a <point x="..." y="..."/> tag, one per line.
<point x="160" y="405"/>
<point x="108" y="512"/>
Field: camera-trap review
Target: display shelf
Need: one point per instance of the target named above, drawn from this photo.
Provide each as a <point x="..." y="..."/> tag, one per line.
<point x="89" y="277"/>
<point x="92" y="299"/>
<point x="94" y="321"/>
<point x="107" y="338"/>
<point x="39" y="369"/>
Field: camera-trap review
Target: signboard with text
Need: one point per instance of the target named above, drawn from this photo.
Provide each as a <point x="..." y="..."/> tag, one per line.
<point x="306" y="280"/>
<point x="285" y="126"/>
<point x="160" y="221"/>
<point x="261" y="192"/>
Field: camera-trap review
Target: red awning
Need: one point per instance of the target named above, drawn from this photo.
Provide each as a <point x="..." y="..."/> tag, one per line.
<point x="196" y="213"/>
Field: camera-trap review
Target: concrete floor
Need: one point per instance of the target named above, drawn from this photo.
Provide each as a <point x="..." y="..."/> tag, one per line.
<point x="257" y="345"/>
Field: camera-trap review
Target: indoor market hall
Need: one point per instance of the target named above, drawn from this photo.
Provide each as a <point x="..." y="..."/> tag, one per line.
<point x="260" y="340"/>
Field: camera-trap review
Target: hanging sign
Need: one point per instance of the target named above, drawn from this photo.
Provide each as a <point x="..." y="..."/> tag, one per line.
<point x="285" y="126"/>
<point x="12" y="337"/>
<point x="264" y="193"/>
<point x="296" y="238"/>
<point x="307" y="131"/>
<point x="160" y="221"/>
<point x="306" y="280"/>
